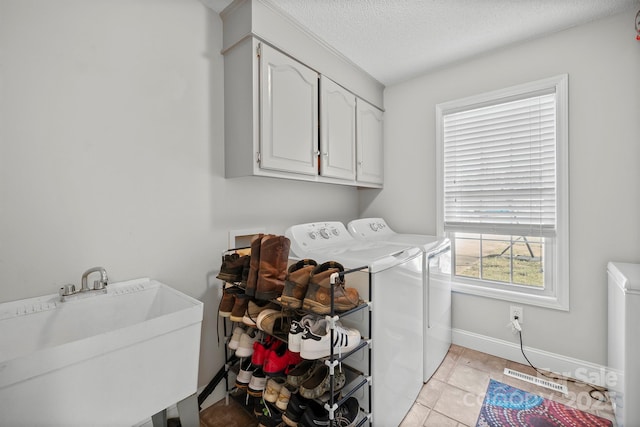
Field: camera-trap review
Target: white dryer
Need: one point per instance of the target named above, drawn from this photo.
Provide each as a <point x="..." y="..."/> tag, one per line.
<point x="436" y="283"/>
<point x="394" y="275"/>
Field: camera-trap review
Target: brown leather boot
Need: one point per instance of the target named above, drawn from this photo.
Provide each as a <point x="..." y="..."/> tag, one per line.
<point x="245" y="271"/>
<point x="318" y="297"/>
<point x="231" y="268"/>
<point x="254" y="265"/>
<point x="239" y="308"/>
<point x="228" y="300"/>
<point x="296" y="283"/>
<point x="226" y="304"/>
<point x="274" y="254"/>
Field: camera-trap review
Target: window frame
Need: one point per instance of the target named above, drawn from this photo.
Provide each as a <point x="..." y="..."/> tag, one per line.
<point x="556" y="293"/>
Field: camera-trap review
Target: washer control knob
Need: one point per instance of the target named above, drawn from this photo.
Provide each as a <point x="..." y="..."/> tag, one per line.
<point x="312" y="235"/>
<point x="324" y="233"/>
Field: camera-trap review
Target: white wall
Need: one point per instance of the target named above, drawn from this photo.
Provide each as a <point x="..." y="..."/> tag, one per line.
<point x="111" y="152"/>
<point x="603" y="63"/>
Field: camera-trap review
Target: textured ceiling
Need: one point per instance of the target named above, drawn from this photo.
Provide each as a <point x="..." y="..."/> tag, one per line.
<point x="394" y="40"/>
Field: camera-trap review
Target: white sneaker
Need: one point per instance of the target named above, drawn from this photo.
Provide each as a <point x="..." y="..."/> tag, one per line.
<point x="297" y="328"/>
<point x="245" y="346"/>
<point x="315" y="340"/>
<point x="244" y="375"/>
<point x="235" y="338"/>
<point x="257" y="383"/>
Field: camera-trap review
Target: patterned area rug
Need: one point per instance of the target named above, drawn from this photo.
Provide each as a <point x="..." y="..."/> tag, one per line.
<point x="508" y="406"/>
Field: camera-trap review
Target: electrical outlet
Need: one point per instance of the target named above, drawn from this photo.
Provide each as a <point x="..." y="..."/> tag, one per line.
<point x="515" y="311"/>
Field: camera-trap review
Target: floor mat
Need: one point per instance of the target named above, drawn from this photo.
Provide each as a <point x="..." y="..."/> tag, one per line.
<point x="507" y="406"/>
<point x="222" y="415"/>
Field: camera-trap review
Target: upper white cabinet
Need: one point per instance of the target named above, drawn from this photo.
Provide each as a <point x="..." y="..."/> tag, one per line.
<point x="284" y="117"/>
<point x="370" y="148"/>
<point x="288" y="114"/>
<point x="338" y="131"/>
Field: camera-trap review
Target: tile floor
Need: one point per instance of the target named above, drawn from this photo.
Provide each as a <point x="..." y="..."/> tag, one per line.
<point x="454" y="395"/>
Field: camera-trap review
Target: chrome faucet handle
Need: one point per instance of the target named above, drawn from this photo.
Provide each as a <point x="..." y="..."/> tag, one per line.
<point x="67" y="290"/>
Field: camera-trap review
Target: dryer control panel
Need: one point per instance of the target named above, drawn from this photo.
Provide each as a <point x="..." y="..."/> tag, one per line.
<point x="316" y="235"/>
<point x="369" y="228"/>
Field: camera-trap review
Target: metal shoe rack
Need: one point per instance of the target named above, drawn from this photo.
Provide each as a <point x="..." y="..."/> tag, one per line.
<point x="333" y="361"/>
<point x="230" y="360"/>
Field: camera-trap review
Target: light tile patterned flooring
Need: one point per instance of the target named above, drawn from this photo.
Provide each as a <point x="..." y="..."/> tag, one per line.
<point x="454" y="395"/>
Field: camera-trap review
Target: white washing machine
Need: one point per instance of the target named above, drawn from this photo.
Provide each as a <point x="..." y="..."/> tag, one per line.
<point x="436" y="280"/>
<point x="623" y="380"/>
<point x="394" y="274"/>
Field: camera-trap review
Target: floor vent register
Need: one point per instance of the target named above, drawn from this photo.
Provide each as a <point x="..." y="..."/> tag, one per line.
<point x="537" y="381"/>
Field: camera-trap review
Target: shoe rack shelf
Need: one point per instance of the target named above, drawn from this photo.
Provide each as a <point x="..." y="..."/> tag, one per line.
<point x="333" y="361"/>
<point x="230" y="360"/>
<point x="356" y="380"/>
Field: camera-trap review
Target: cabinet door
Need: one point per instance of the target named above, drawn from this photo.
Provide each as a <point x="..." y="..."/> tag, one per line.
<point x="337" y="131"/>
<point x="288" y="114"/>
<point x="370" y="150"/>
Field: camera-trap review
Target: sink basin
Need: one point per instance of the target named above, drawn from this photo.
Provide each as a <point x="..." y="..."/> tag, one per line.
<point x="112" y="360"/>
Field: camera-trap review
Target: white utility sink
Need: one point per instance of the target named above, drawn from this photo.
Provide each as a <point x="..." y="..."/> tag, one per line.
<point x="108" y="360"/>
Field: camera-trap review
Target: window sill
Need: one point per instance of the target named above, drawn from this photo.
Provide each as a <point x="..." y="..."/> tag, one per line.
<point x="547" y="301"/>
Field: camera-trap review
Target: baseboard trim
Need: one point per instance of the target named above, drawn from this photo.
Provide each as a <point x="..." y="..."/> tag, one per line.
<point x="557" y="363"/>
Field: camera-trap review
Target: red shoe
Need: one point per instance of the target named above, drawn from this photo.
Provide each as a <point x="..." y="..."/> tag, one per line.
<point x="280" y="360"/>
<point x="262" y="350"/>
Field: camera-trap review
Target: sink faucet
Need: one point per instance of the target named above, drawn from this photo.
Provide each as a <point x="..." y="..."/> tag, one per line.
<point x="98" y="285"/>
<point x="69" y="292"/>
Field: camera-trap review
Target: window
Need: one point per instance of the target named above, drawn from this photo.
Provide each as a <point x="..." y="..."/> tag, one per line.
<point x="503" y="193"/>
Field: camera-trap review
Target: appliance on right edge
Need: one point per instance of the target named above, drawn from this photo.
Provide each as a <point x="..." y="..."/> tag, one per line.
<point x="436" y="280"/>
<point x="623" y="378"/>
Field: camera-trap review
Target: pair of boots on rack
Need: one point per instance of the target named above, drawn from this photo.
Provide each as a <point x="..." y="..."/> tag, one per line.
<point x="307" y="285"/>
<point x="233" y="303"/>
<point x="268" y="266"/>
<point x="234" y="268"/>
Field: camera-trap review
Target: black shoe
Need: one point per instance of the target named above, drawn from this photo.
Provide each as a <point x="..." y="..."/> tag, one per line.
<point x="317" y="416"/>
<point x="347" y="413"/>
<point x="296" y="407"/>
<point x="259" y="407"/>
<point x="314" y="416"/>
<point x="268" y="415"/>
<point x="264" y="421"/>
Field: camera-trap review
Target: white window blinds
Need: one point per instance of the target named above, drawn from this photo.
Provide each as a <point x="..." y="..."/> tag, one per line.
<point x="500" y="167"/>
